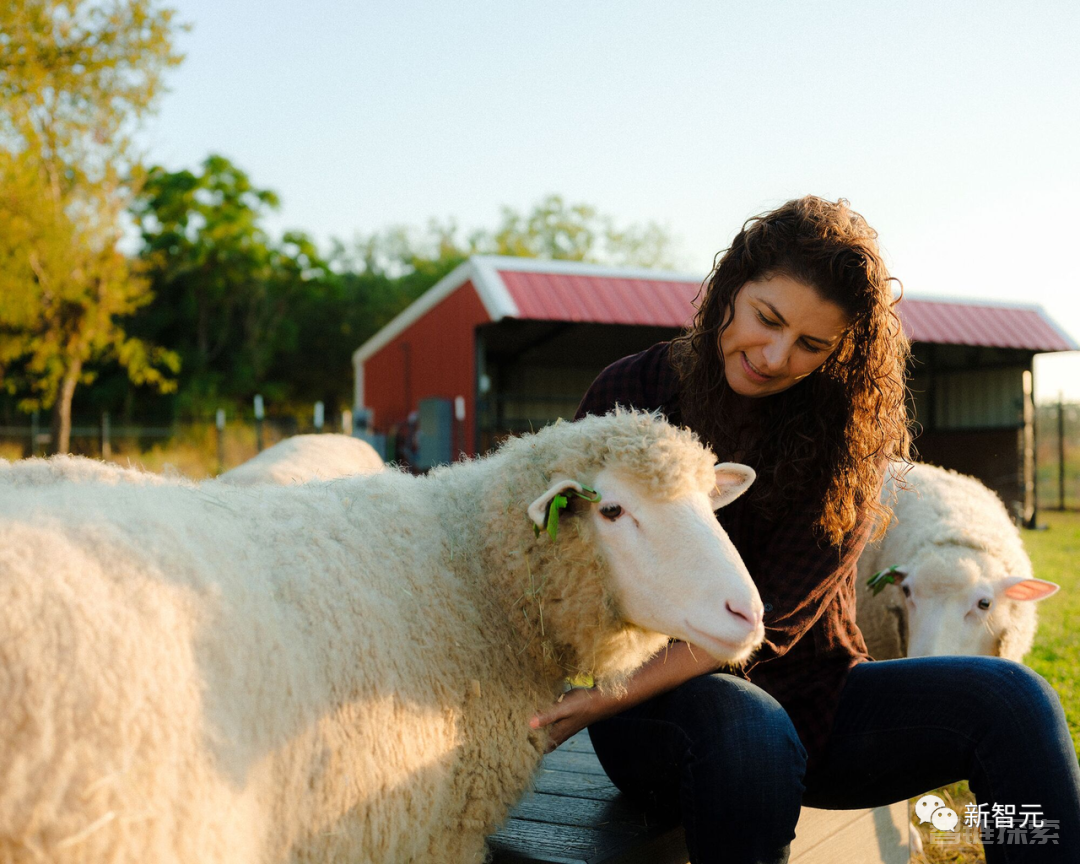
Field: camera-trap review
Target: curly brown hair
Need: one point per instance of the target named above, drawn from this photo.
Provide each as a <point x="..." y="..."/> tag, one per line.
<point x="827" y="436"/>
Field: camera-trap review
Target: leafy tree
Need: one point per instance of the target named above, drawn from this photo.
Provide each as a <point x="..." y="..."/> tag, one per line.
<point x="62" y="290"/>
<point x="226" y="294"/>
<point x="75" y="77"/>
<point x="551" y="229"/>
<point x="575" y="232"/>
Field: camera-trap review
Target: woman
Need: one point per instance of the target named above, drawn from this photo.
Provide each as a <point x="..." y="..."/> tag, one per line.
<point x="795" y="365"/>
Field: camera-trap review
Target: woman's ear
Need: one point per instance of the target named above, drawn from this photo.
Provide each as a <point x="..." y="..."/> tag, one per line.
<point x="732" y="479"/>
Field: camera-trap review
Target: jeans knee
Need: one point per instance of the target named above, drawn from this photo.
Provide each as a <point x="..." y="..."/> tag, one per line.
<point x="742" y="732"/>
<point x="1014" y="697"/>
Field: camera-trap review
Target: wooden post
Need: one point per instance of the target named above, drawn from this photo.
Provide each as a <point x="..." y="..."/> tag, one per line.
<point x="1061" y="451"/>
<point x="259" y="422"/>
<point x="220" y="440"/>
<point x="320" y="416"/>
<point x="1027" y="454"/>
<point x="33" y="433"/>
<point x="106" y="444"/>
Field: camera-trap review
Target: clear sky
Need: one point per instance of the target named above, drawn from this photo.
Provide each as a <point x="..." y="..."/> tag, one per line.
<point x="953" y="127"/>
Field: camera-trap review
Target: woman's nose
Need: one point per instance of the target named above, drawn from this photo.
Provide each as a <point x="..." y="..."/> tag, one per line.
<point x="776" y="354"/>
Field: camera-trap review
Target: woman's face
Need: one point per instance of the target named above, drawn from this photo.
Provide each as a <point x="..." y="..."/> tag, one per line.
<point x="782" y="331"/>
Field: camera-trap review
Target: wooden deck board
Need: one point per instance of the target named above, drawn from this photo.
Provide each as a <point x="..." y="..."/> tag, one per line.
<point x="576" y="816"/>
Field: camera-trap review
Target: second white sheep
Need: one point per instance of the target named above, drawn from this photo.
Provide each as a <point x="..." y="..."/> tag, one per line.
<point x="961" y="582"/>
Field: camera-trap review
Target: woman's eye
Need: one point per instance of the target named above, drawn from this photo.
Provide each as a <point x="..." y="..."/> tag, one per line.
<point x="813" y="349"/>
<point x="611" y="512"/>
<point x="984" y="604"/>
<point x="765" y="320"/>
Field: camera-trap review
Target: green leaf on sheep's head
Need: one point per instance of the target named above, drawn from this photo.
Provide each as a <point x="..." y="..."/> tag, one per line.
<point x="879" y="580"/>
<point x="560" y="502"/>
<point x="557" y="503"/>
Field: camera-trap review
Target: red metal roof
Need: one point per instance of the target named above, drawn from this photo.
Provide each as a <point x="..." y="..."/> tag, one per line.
<point x="600" y="299"/>
<point x="999" y="326"/>
<point x="637" y="299"/>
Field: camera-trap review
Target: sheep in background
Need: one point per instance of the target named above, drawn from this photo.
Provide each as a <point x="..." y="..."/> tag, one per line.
<point x="963" y="582"/>
<point x="307" y="457"/>
<point x="341" y="670"/>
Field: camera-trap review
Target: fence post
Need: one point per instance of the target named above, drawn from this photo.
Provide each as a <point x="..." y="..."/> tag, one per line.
<point x="1061" y="451"/>
<point x="106" y="444"/>
<point x="220" y="440"/>
<point x="33" y="433"/>
<point x="259" y="423"/>
<point x="320" y="416"/>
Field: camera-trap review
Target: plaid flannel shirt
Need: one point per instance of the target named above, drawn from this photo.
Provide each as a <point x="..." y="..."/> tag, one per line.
<point x="806" y="584"/>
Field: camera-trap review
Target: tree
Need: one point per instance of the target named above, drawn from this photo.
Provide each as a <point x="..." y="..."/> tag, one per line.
<point x="62" y="290"/>
<point x="551" y="229"/>
<point x="575" y="232"/>
<point x="75" y="77"/>
<point x="227" y="294"/>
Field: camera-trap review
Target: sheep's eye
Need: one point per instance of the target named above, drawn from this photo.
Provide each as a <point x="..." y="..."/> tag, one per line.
<point x="906" y="590"/>
<point x="985" y="603"/>
<point x="611" y="511"/>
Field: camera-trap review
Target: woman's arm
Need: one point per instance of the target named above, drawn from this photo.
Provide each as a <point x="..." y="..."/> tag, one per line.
<point x="580" y="707"/>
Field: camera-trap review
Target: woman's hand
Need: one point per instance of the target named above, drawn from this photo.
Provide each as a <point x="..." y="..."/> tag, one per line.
<point x="580" y="707"/>
<point x="576" y="710"/>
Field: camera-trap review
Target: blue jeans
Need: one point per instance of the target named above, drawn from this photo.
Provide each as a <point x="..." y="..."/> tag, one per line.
<point x="722" y="756"/>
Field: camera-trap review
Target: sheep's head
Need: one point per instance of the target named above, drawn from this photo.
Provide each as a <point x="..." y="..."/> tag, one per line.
<point x="638" y="554"/>
<point x="966" y="601"/>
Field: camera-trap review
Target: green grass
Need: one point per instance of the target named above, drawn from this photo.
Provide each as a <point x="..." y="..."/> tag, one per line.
<point x="1055" y="553"/>
<point x="1056" y="654"/>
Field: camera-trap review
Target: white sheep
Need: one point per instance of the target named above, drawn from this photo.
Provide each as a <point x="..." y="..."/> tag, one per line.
<point x="307" y="457"/>
<point x="340" y="670"/>
<point x="962" y="582"/>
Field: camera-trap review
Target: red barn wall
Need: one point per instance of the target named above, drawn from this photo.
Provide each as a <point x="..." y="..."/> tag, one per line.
<point x="434" y="357"/>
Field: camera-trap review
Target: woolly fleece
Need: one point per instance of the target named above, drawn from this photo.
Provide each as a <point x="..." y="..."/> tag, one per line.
<point x="338" y="671"/>
<point x="955" y="517"/>
<point x="307" y="457"/>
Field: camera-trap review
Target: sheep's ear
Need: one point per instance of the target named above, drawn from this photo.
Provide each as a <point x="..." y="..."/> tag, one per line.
<point x="538" y="510"/>
<point x="1030" y="589"/>
<point x="732" y="479"/>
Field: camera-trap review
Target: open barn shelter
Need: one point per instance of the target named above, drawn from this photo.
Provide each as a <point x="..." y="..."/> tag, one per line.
<point x="507" y="345"/>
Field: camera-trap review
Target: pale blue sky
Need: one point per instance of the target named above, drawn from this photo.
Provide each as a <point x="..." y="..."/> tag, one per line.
<point x="953" y="127"/>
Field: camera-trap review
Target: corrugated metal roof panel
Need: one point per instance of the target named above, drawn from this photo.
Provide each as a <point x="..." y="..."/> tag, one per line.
<point x="600" y="299"/>
<point x="613" y="299"/>
<point x="997" y="326"/>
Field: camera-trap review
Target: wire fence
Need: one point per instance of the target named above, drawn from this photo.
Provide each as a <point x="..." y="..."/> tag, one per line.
<point x="194" y="449"/>
<point x="1057" y="455"/>
<point x="200" y="449"/>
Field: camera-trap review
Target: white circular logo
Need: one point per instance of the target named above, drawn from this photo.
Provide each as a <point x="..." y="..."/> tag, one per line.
<point x="932" y="809"/>
<point x="925" y="807"/>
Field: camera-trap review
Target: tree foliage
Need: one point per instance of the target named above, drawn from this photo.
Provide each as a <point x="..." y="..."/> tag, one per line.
<point x="75" y="76"/>
<point x="62" y="290"/>
<point x="227" y="295"/>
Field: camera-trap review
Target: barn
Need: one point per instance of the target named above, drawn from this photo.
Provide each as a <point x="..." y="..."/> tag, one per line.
<point x="505" y="345"/>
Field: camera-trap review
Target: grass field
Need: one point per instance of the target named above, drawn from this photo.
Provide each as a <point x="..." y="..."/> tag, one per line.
<point x="1056" y="656"/>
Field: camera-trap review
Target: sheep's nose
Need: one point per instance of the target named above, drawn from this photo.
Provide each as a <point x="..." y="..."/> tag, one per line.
<point x="748" y="614"/>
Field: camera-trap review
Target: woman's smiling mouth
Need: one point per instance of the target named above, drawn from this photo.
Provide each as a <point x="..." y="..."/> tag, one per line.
<point x="752" y="372"/>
